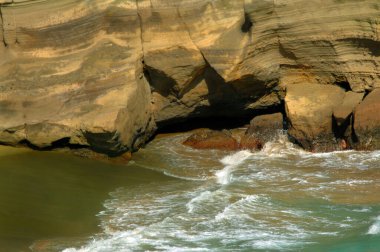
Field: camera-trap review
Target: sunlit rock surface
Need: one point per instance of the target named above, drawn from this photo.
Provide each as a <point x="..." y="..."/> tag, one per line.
<point x="71" y="71"/>
<point x="310" y="111"/>
<point x="103" y="73"/>
<point x="367" y="122"/>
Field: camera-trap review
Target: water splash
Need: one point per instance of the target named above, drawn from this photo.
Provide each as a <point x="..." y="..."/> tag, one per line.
<point x="194" y="202"/>
<point x="280" y="146"/>
<point x="280" y="198"/>
<point x="375" y="228"/>
<point x="231" y="161"/>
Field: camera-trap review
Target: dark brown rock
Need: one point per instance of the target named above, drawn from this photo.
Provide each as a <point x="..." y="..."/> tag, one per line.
<point x="265" y="127"/>
<point x="251" y="142"/>
<point x="262" y="129"/>
<point x="212" y="139"/>
<point x="367" y="122"/>
<point x="122" y="159"/>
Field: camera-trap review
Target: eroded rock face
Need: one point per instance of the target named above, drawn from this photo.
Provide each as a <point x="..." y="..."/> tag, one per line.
<point x="72" y="71"/>
<point x="343" y="119"/>
<point x="103" y="73"/>
<point x="343" y="112"/>
<point x="367" y="122"/>
<point x="309" y="109"/>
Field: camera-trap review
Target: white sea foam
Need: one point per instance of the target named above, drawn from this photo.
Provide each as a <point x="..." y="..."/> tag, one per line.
<point x="192" y="204"/>
<point x="362" y="210"/>
<point x="230" y="162"/>
<point x="280" y="146"/>
<point x="351" y="182"/>
<point x="375" y="228"/>
<point x="254" y="212"/>
<point x="236" y="158"/>
<point x="200" y="178"/>
<point x="232" y="211"/>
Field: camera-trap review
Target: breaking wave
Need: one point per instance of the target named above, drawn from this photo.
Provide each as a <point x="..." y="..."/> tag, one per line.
<point x="281" y="198"/>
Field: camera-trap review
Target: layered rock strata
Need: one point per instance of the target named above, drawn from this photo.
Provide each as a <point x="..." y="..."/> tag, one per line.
<point x="71" y="74"/>
<point x="104" y="73"/>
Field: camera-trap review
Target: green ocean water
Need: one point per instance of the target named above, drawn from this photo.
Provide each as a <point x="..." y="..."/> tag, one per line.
<point x="173" y="198"/>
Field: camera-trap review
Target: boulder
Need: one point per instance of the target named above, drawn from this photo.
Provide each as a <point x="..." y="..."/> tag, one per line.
<point x="108" y="71"/>
<point x="367" y="122"/>
<point x="212" y="139"/>
<point x="345" y="110"/>
<point x="343" y="119"/>
<point x="251" y="142"/>
<point x="262" y="129"/>
<point x="309" y="110"/>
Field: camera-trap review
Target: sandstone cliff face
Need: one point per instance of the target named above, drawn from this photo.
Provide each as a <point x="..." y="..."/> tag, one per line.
<point x="103" y="73"/>
<point x="71" y="73"/>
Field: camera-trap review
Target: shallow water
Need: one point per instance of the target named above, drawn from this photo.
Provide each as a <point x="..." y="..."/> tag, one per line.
<point x="174" y="198"/>
<point x="55" y="197"/>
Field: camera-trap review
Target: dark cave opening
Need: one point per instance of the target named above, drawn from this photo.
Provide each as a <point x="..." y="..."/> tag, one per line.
<point x="344" y="84"/>
<point x="215" y="121"/>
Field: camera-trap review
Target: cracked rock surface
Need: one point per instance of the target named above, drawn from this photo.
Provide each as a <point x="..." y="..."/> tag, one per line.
<point x="105" y="73"/>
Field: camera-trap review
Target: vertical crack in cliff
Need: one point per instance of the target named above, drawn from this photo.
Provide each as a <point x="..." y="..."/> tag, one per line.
<point x="190" y="37"/>
<point x="188" y="33"/>
<point x="280" y="46"/>
<point x="141" y="31"/>
<point x="245" y="28"/>
<point x="2" y="26"/>
<point x="247" y="25"/>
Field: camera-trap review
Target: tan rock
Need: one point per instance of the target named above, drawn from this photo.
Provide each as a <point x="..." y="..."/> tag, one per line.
<point x="343" y="119"/>
<point x="367" y="122"/>
<point x="309" y="109"/>
<point x="44" y="135"/>
<point x="73" y="69"/>
<point x="87" y="65"/>
<point x="345" y="110"/>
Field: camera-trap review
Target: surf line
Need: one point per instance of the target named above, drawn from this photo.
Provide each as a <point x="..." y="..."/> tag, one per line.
<point x="231" y="162"/>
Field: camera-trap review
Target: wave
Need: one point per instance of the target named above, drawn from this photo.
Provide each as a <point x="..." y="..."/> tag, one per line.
<point x="280" y="198"/>
<point x="375" y="228"/>
<point x="230" y="162"/>
<point x="192" y="204"/>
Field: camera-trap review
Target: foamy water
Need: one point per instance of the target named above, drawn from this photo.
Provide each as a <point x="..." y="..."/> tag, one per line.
<point x="375" y="227"/>
<point x="230" y="162"/>
<point x="279" y="199"/>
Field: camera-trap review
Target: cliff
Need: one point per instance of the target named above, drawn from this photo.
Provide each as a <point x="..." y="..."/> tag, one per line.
<point x="104" y="73"/>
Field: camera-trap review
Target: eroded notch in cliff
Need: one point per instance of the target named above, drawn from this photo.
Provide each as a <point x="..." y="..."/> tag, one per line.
<point x="218" y="118"/>
<point x="372" y="46"/>
<point x="344" y="84"/>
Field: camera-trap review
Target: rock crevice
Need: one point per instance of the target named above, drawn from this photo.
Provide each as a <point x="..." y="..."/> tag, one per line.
<point x="114" y="70"/>
<point x="2" y="27"/>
